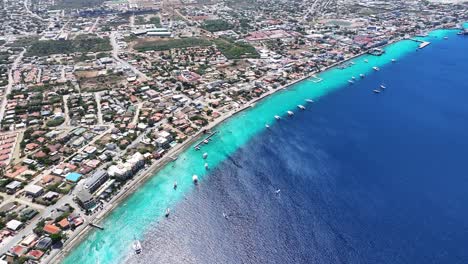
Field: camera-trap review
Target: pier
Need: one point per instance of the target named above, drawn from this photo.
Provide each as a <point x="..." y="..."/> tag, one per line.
<point x="197" y="146"/>
<point x="423" y="43"/>
<point x="96" y="226"/>
<point x="315" y="79"/>
<point x="376" y="52"/>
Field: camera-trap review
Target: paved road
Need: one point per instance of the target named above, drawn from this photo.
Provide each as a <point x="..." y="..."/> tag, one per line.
<point x="115" y="54"/>
<point x="91" y="29"/>
<point x="25" y="2"/>
<point x="97" y="96"/>
<point x="10" y="84"/>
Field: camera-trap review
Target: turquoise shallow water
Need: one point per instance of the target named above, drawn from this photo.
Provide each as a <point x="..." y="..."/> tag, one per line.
<point x="146" y="206"/>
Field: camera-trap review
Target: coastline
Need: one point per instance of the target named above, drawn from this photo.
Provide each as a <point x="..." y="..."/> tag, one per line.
<point x="151" y="171"/>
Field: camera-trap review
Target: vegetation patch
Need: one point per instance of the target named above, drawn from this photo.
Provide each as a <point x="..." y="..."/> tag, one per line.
<point x="171" y="44"/>
<point x="156" y="21"/>
<point x="55" y="122"/>
<point x="236" y="50"/>
<point x="74" y="4"/>
<point x="84" y="43"/>
<point x="216" y="25"/>
<point x="23" y="42"/>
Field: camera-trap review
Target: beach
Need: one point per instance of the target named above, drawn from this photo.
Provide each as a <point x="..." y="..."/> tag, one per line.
<point x="265" y="112"/>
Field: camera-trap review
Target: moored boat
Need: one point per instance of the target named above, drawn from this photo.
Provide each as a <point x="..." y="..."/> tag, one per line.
<point x="136" y="246"/>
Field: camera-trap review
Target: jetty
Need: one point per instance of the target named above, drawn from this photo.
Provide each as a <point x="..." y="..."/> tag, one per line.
<point x="346" y="65"/>
<point x="315" y="79"/>
<point x="203" y="141"/>
<point x="376" y="52"/>
<point x="96" y="226"/>
<point x="423" y="43"/>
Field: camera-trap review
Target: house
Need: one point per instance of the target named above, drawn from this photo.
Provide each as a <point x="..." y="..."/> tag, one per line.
<point x="73" y="177"/>
<point x="51" y="229"/>
<point x="29" y="240"/>
<point x="14" y="225"/>
<point x="13" y="186"/>
<point x="19" y="250"/>
<point x="44" y="243"/>
<point x="34" y="190"/>
<point x="64" y="224"/>
<point x="35" y="254"/>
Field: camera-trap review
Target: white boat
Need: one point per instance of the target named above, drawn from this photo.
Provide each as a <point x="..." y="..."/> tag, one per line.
<point x="362" y="75"/>
<point x="445" y="37"/>
<point x="197" y="148"/>
<point x="277" y="117"/>
<point x="350" y="81"/>
<point x="290" y="113"/>
<point x="354" y="78"/>
<point x="205" y="155"/>
<point x="376" y="91"/>
<point x="168" y="211"/>
<point x="206" y="166"/>
<point x="382" y="86"/>
<point x="136" y="246"/>
<point x="267" y="126"/>
<point x="376" y="68"/>
<point x="301" y="107"/>
<point x="277" y="191"/>
<point x="309" y="100"/>
<point x="175" y="185"/>
<point x="366" y="61"/>
<point x="195" y="179"/>
<point x="393" y="60"/>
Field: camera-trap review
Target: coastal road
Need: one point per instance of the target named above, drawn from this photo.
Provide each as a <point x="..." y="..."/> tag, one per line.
<point x="10" y="84"/>
<point x="115" y="55"/>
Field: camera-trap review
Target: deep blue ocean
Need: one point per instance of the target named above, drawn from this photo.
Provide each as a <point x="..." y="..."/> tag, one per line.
<point x="363" y="178"/>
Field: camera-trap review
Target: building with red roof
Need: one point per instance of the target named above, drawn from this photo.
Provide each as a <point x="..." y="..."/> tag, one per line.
<point x="51" y="229"/>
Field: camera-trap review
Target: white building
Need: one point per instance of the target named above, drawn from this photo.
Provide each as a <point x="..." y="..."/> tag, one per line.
<point x="125" y="170"/>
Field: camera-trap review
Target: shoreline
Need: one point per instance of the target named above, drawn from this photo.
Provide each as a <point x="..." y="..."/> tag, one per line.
<point x="137" y="181"/>
<point x="143" y="176"/>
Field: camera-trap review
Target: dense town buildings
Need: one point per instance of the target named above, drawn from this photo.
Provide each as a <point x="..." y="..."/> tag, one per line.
<point x="93" y="95"/>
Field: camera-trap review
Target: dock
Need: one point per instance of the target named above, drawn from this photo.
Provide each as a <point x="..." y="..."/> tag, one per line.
<point x="96" y="226"/>
<point x="205" y="139"/>
<point x="376" y="52"/>
<point x="315" y="79"/>
<point x="423" y="43"/>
